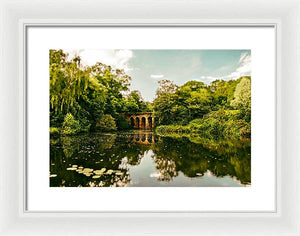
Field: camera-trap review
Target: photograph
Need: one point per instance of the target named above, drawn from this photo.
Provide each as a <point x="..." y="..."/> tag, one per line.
<point x="150" y="117"/>
<point x="167" y="118"/>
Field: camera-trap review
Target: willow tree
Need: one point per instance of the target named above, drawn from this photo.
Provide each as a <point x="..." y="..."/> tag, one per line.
<point x="68" y="80"/>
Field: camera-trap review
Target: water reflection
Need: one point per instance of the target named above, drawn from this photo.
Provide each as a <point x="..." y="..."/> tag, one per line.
<point x="141" y="158"/>
<point x="143" y="137"/>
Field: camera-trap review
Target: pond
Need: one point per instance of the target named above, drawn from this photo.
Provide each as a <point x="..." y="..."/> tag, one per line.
<point x="141" y="158"/>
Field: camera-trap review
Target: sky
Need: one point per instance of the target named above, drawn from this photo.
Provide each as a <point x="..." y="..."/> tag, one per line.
<point x="147" y="67"/>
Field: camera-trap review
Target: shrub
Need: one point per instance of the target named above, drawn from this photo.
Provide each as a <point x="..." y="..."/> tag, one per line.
<point x="70" y="125"/>
<point x="216" y="124"/>
<point x="122" y="123"/>
<point x="54" y="131"/>
<point x="163" y="129"/>
<point x="106" y="123"/>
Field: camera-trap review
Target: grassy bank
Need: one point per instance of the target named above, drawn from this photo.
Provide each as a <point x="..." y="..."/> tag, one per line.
<point x="218" y="124"/>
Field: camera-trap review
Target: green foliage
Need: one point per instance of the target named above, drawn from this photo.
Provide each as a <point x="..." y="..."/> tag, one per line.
<point x="122" y="123"/>
<point x="215" y="125"/>
<point x="242" y="97"/>
<point x="180" y="105"/>
<point x="84" y="98"/>
<point x="165" y="102"/>
<point x="221" y="109"/>
<point x="223" y="93"/>
<point x="242" y="94"/>
<point x="135" y="103"/>
<point x="106" y="123"/>
<point x="164" y="129"/>
<point x="54" y="131"/>
<point x="70" y="125"/>
<point x="222" y="123"/>
<point x="88" y="93"/>
<point x="67" y="81"/>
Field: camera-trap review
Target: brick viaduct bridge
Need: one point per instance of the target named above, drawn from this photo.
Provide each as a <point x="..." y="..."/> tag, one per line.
<point x="141" y="120"/>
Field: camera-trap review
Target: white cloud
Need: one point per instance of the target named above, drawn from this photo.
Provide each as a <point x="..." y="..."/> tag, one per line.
<point x="157" y="76"/>
<point x="243" y="69"/>
<point x="207" y="79"/>
<point x="118" y="59"/>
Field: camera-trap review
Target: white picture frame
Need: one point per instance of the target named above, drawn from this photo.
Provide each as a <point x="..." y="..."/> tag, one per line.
<point x="260" y="197"/>
<point x="15" y="16"/>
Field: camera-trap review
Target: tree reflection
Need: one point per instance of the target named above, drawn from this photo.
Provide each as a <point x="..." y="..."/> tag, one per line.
<point x="95" y="152"/>
<point x="103" y="160"/>
<point x="195" y="159"/>
<point x="166" y="169"/>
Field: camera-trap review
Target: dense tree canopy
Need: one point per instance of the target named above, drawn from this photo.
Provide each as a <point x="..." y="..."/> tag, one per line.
<point x="181" y="104"/>
<point x="89" y="93"/>
<point x="221" y="109"/>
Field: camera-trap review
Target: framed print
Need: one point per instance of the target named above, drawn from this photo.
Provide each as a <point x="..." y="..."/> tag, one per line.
<point x="158" y="120"/>
<point x="151" y="123"/>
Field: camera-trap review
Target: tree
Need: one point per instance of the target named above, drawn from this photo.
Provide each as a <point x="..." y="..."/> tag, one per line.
<point x="106" y="123"/>
<point x="242" y="94"/>
<point x="166" y="87"/>
<point x="199" y="103"/>
<point x="164" y="101"/>
<point x="67" y="81"/>
<point x="242" y="98"/>
<point x="70" y="125"/>
<point x="174" y="104"/>
<point x="196" y="97"/>
<point x="223" y="93"/>
<point x="87" y="93"/>
<point x="135" y="102"/>
<point x="91" y="105"/>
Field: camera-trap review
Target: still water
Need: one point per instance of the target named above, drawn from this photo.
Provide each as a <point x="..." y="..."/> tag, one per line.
<point x="140" y="158"/>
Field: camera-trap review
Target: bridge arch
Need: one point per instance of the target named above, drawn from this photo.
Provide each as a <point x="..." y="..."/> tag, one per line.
<point x="141" y="120"/>
<point x="132" y="121"/>
<point x="150" y="122"/>
<point x="137" y="122"/>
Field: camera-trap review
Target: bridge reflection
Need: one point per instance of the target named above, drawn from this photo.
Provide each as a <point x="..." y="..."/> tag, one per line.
<point x="143" y="137"/>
